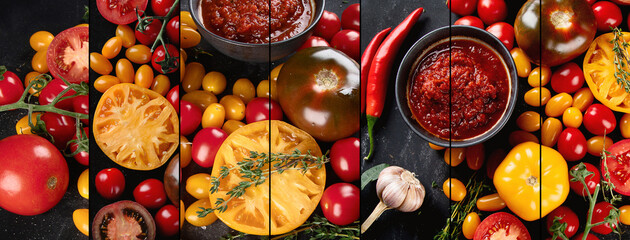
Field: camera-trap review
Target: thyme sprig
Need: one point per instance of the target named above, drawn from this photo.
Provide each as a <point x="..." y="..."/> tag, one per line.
<point x="620" y="48"/>
<point x="317" y="228"/>
<point x="254" y="172"/>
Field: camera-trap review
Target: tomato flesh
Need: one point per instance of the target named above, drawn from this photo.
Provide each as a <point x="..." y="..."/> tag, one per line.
<point x="501" y="225"/>
<point x="121" y="11"/>
<point x="68" y="55"/>
<point x="618" y="166"/>
<point x="123" y="220"/>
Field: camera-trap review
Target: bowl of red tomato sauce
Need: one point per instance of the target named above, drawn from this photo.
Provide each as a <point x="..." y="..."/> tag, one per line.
<point x="457" y="87"/>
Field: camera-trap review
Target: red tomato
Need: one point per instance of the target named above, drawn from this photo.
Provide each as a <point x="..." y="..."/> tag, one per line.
<point x="567" y="78"/>
<point x="190" y="118"/>
<point x="591" y="181"/>
<point x="607" y="15"/>
<point x="349" y="42"/>
<point x="340" y="203"/>
<point x="80" y="104"/>
<point x="470" y="21"/>
<point x="52" y="90"/>
<point x="351" y="17"/>
<point x="328" y="25"/>
<point x="618" y="166"/>
<point x="504" y="32"/>
<point x="61" y="127"/>
<point x="491" y="11"/>
<point x="81" y="157"/>
<point x="501" y="225"/>
<point x="258" y="109"/>
<point x="588" y="237"/>
<point x="601" y="211"/>
<point x="120" y="12"/>
<point x="173" y="97"/>
<point x="314" y="41"/>
<point x="599" y="119"/>
<point x="35" y="183"/>
<point x="206" y="144"/>
<point x="110" y="183"/>
<point x="167" y="220"/>
<point x="150" y="32"/>
<point x="161" y="7"/>
<point x="159" y="55"/>
<point x="172" y="30"/>
<point x="345" y="159"/>
<point x="567" y="216"/>
<point x="462" y="7"/>
<point x="150" y="193"/>
<point x="11" y="88"/>
<point x="68" y="53"/>
<point x="572" y="144"/>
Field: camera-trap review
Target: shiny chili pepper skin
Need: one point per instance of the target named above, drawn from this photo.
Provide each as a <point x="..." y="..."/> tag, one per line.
<point x="380" y="69"/>
<point x="366" y="61"/>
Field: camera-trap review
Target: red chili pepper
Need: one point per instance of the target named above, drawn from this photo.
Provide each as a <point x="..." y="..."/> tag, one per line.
<point x="379" y="72"/>
<point x="366" y="61"/>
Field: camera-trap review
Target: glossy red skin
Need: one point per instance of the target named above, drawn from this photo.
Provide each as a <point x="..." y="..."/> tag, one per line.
<point x="588" y="237"/>
<point x="83" y="157"/>
<point x="24" y="184"/>
<point x="314" y="41"/>
<point x="52" y="90"/>
<point x="572" y="144"/>
<point x="607" y="14"/>
<point x="462" y="7"/>
<point x="116" y="210"/>
<point x="328" y="25"/>
<point x="80" y="104"/>
<point x="470" y="21"/>
<point x="172" y="30"/>
<point x="61" y="127"/>
<point x="601" y="211"/>
<point x="150" y="33"/>
<point x="206" y="145"/>
<point x="504" y="32"/>
<point x="340" y="203"/>
<point x="618" y="165"/>
<point x="167" y="220"/>
<point x="114" y="16"/>
<point x="161" y="7"/>
<point x="599" y="119"/>
<point x="258" y="109"/>
<point x="110" y="183"/>
<point x="345" y="159"/>
<point x="500" y="217"/>
<point x="75" y="73"/>
<point x="159" y="55"/>
<point x="622" y="2"/>
<point x="351" y="17"/>
<point x="190" y="118"/>
<point x="491" y="11"/>
<point x="11" y="88"/>
<point x="173" y="97"/>
<point x="568" y="216"/>
<point x="150" y="193"/>
<point x="349" y="42"/>
<point x="366" y="61"/>
<point x="567" y="78"/>
<point x="591" y="181"/>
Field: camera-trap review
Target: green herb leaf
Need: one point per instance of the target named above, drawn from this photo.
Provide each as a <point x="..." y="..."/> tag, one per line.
<point x="372" y="174"/>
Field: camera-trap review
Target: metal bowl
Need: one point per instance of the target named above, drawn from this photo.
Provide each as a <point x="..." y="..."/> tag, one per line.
<point x="250" y="52"/>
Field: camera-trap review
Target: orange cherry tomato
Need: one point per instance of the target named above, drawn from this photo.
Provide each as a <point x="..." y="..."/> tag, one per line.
<point x="161" y="84"/>
<point x="234" y="107"/>
<point x="262" y="90"/>
<point x="232" y="125"/>
<point x="529" y="121"/>
<point x="490" y="203"/>
<point x="194" y="75"/>
<point x="125" y="71"/>
<point x="470" y="224"/>
<point x="112" y="47"/>
<point x="39" y="63"/>
<point x="557" y="104"/>
<point x="185" y="19"/>
<point x="624" y="125"/>
<point x="539" y="77"/>
<point x="189" y="37"/>
<point x="139" y="54"/>
<point x="572" y="117"/>
<point x="597" y="144"/>
<point x="100" y="64"/>
<point x="454" y="189"/>
<point x="436" y="147"/>
<point x="29" y="77"/>
<point x="127" y="35"/>
<point x="213" y="116"/>
<point x="22" y="127"/>
<point x="244" y="89"/>
<point x="40" y="40"/>
<point x="454" y="156"/>
<point x="624" y="214"/>
<point x="144" y="76"/>
<point x="214" y="82"/>
<point x="104" y="82"/>
<point x="538" y="96"/>
<point x="582" y="99"/>
<point x="550" y="131"/>
<point x="200" y="98"/>
<point x="475" y="156"/>
<point x="522" y="62"/>
<point x="185" y="151"/>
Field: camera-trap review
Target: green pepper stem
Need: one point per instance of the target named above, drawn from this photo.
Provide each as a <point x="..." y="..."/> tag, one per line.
<point x="371" y="120"/>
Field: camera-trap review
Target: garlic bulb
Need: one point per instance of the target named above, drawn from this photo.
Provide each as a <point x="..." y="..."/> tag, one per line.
<point x="398" y="189"/>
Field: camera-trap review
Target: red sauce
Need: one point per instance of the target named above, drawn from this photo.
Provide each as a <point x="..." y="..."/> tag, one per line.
<point x="248" y="20"/>
<point x="473" y="101"/>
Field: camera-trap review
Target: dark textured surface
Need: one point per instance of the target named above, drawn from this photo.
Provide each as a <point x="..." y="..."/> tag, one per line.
<point x="18" y="21"/>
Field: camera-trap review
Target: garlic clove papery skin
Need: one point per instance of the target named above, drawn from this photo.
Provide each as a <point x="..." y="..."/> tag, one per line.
<point x="415" y="198"/>
<point x="387" y="176"/>
<point x="400" y="189"/>
<point x="394" y="194"/>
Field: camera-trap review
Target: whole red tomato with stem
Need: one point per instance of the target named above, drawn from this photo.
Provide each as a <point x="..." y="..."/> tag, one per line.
<point x="190" y="118"/>
<point x="61" y="127"/>
<point x="501" y="225"/>
<point x="121" y="12"/>
<point x="470" y="21"/>
<point x="206" y="144"/>
<point x="591" y="181"/>
<point x="572" y="144"/>
<point x="167" y="220"/>
<point x="172" y="30"/>
<point x="161" y="7"/>
<point x="52" y="90"/>
<point x="159" y="61"/>
<point x="617" y="165"/>
<point x="349" y="42"/>
<point x="35" y="183"/>
<point x="568" y="78"/>
<point x="173" y="97"/>
<point x="82" y="157"/>
<point x="147" y="33"/>
<point x="11" y="88"/>
<point x="607" y="14"/>
<point x="261" y="109"/>
<point x="599" y="120"/>
<point x="67" y="53"/>
<point x="340" y="203"/>
<point x="504" y="32"/>
<point x="314" y="41"/>
<point x="491" y="11"/>
<point x="110" y="183"/>
<point x="345" y="159"/>
<point x="80" y="104"/>
<point x="600" y="212"/>
<point x="462" y="7"/>
<point x="150" y="193"/>
<point x="328" y="25"/>
<point x="567" y="216"/>
<point x="351" y="17"/>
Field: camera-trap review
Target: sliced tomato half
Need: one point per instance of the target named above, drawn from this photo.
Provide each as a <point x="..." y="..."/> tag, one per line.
<point x="121" y="11"/>
<point x="68" y="55"/>
<point x="501" y="225"/>
<point x="618" y="165"/>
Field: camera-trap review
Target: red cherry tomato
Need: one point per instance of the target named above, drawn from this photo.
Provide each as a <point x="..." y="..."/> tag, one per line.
<point x="572" y="144"/>
<point x="599" y="119"/>
<point x="258" y="109"/>
<point x="588" y="237"/>
<point x="150" y="32"/>
<point x="172" y="30"/>
<point x="314" y="41"/>
<point x="504" y="32"/>
<point x="567" y="78"/>
<point x="618" y="167"/>
<point x="470" y="21"/>
<point x="61" y="127"/>
<point x="607" y="14"/>
<point x="161" y="7"/>
<point x="349" y="42"/>
<point x="190" y="118"/>
<point x="167" y="220"/>
<point x="601" y="211"/>
<point x="328" y="25"/>
<point x="351" y="17"/>
<point x="345" y="159"/>
<point x="173" y="97"/>
<point x="491" y="11"/>
<point x="462" y="7"/>
<point x="150" y="193"/>
<point x="568" y="216"/>
<point x="159" y="55"/>
<point x="11" y="88"/>
<point x="52" y="90"/>
<point x="591" y="181"/>
<point x="340" y="203"/>
<point x="81" y="157"/>
<point x="206" y="144"/>
<point x="110" y="183"/>
<point x="80" y="104"/>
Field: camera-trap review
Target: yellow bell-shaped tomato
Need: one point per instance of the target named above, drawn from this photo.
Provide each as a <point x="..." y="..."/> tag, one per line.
<point x="533" y="180"/>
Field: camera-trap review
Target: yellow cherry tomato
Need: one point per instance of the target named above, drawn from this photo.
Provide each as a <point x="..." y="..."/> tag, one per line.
<point x="234" y="107"/>
<point x="82" y="25"/>
<point x="436" y="147"/>
<point x="582" y="99"/>
<point x="539" y="77"/>
<point x="550" y="131"/>
<point x="214" y="82"/>
<point x="139" y="54"/>
<point x="262" y="90"/>
<point x="454" y="189"/>
<point x="29" y="77"/>
<point x="125" y="71"/>
<point x="597" y="144"/>
<point x="198" y="185"/>
<point x="624" y="125"/>
<point x="104" y="82"/>
<point x="40" y="40"/>
<point x="112" y="47"/>
<point x="624" y="214"/>
<point x="200" y="98"/>
<point x="182" y="213"/>
<point x="522" y="62"/>
<point x="490" y="203"/>
<point x="572" y="117"/>
<point x="144" y="76"/>
<point x="189" y="37"/>
<point x="194" y="75"/>
<point x="100" y="64"/>
<point x="22" y="127"/>
<point x="454" y="156"/>
<point x="475" y="156"/>
<point x="244" y="89"/>
<point x="192" y="216"/>
<point x="39" y="63"/>
<point x="185" y="151"/>
<point x="529" y="121"/>
<point x="83" y="184"/>
<point x="126" y="34"/>
<point x="185" y="18"/>
<point x="183" y="56"/>
<point x="273" y="75"/>
<point x="557" y="104"/>
<point x="213" y="116"/>
<point x="182" y="71"/>
<point x="232" y="125"/>
<point x="538" y="96"/>
<point x="517" y="137"/>
<point x="471" y="222"/>
<point x="161" y="84"/>
<point x="81" y="219"/>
